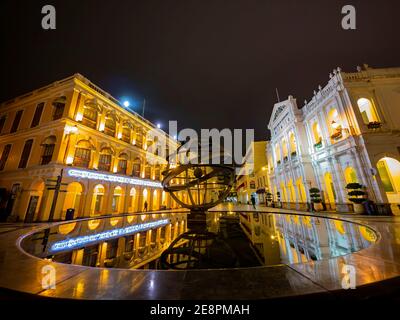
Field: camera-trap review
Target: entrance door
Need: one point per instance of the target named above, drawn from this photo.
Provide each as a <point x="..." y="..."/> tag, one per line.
<point x="30" y="212"/>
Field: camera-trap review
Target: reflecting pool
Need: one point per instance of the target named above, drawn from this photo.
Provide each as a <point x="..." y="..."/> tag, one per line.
<point x="137" y="241"/>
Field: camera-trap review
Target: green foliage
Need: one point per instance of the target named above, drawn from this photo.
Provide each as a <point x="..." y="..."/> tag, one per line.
<point x="356" y="194"/>
<point x="315" y="195"/>
<point x="354" y="186"/>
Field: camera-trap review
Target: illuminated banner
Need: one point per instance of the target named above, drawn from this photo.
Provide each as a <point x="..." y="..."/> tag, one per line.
<point x="112" y="178"/>
<point x="79" y="242"/>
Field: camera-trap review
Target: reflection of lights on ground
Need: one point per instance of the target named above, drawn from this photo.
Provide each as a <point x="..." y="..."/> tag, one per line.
<point x="116" y="233"/>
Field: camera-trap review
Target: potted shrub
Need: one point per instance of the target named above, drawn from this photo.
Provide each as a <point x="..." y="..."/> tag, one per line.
<point x="278" y="197"/>
<point x="269" y="199"/>
<point x="318" y="145"/>
<point x="374" y="125"/>
<point x="316" y="201"/>
<point x="357" y="196"/>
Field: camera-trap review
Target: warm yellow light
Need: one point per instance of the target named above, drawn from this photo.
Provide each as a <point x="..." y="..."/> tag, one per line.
<point x="70" y="160"/>
<point x="71" y="129"/>
<point x="101" y="126"/>
<point x="114" y="221"/>
<point x="119" y="135"/>
<point x="335" y="125"/>
<point x="133" y="141"/>
<point x="66" y="228"/>
<point x="79" y="116"/>
<point x="93" y="224"/>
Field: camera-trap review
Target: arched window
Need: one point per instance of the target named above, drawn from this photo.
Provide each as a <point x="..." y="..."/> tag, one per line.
<point x="48" y="148"/>
<point x="137" y="164"/>
<point x="277" y="154"/>
<point x="117" y="199"/>
<point x="293" y="145"/>
<point x="98" y="199"/>
<point x="285" y="150"/>
<point x="316" y="132"/>
<point x="90" y="115"/>
<point x="59" y="105"/>
<point x="122" y="163"/>
<point x="126" y="134"/>
<point x="105" y="159"/>
<point x="157" y="172"/>
<point x="368" y="112"/>
<point x="350" y="175"/>
<point x="109" y="126"/>
<point x="147" y="171"/>
<point x="82" y="154"/>
<point x="334" y="124"/>
<point x="139" y="137"/>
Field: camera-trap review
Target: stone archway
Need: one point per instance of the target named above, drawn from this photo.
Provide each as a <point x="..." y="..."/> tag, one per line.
<point x="97" y="203"/>
<point x="73" y="199"/>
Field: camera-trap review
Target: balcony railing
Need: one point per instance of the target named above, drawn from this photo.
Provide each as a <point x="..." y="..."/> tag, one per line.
<point x="104" y="166"/>
<point x="82" y="163"/>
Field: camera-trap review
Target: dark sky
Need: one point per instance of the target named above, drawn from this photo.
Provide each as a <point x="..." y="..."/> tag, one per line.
<point x="204" y="63"/>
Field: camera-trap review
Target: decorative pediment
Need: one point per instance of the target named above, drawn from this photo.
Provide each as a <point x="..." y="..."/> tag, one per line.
<point x="276" y="112"/>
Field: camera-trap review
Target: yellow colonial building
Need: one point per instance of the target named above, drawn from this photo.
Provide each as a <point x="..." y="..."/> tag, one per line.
<point x="253" y="176"/>
<point x="74" y="130"/>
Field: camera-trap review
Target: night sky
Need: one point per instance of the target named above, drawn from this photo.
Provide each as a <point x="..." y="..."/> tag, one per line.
<point x="207" y="64"/>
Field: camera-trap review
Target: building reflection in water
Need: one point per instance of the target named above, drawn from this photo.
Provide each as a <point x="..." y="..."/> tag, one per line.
<point x="289" y="239"/>
<point x="109" y="242"/>
<point x="274" y="239"/>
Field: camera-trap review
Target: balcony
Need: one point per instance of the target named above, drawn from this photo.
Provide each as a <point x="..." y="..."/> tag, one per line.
<point x="109" y="131"/>
<point x="126" y="138"/>
<point x="80" y="162"/>
<point x="89" y="122"/>
<point x="104" y="166"/>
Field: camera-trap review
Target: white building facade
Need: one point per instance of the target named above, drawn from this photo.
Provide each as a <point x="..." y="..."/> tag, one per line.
<point x="348" y="132"/>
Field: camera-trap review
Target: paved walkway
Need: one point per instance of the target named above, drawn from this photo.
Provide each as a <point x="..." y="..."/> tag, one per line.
<point x="381" y="261"/>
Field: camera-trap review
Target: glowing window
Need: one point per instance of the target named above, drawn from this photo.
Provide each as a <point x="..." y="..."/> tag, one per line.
<point x="367" y="111"/>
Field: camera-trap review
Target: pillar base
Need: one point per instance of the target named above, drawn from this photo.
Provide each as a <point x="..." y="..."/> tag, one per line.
<point x="344" y="207"/>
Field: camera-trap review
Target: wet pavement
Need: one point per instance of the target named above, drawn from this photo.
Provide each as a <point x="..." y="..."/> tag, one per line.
<point x="377" y="266"/>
